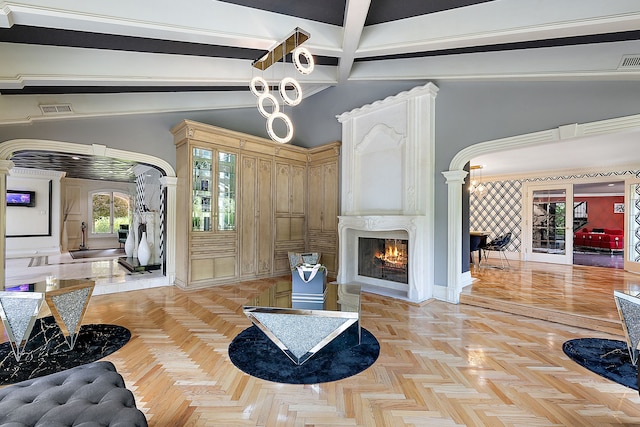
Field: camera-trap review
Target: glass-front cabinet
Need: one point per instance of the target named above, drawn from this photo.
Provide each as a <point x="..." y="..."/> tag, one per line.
<point x="214" y="190"/>
<point x="241" y="205"/>
<point x="226" y="173"/>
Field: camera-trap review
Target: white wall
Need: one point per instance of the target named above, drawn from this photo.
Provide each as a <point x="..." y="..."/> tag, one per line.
<point x="36" y="230"/>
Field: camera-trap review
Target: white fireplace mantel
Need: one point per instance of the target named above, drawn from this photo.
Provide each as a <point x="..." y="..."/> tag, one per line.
<point x="387" y="183"/>
<point x="350" y="228"/>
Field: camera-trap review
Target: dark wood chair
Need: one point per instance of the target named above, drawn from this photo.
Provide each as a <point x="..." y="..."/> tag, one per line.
<point x="123" y="233"/>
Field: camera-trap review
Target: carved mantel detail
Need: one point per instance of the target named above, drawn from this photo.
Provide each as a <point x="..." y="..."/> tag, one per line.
<point x="387" y="186"/>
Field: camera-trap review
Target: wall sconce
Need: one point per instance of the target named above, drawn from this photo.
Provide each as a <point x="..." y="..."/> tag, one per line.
<point x="268" y="104"/>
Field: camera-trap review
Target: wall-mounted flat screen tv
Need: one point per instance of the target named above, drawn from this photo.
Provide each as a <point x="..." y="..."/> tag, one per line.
<point x="21" y="198"/>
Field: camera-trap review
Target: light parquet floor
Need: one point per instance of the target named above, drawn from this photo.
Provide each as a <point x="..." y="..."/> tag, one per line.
<point x="440" y="365"/>
<point x="569" y="294"/>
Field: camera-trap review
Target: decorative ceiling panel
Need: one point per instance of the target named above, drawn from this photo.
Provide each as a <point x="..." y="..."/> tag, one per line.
<point x="77" y="166"/>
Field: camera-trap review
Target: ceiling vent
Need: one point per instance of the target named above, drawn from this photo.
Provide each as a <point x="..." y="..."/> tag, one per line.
<point x="51" y="109"/>
<point x="629" y="62"/>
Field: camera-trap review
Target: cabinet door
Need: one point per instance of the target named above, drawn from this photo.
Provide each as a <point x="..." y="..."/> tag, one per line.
<point x="283" y="193"/>
<point x="323" y="212"/>
<point x="248" y="227"/>
<point x="213" y="183"/>
<point x="297" y="189"/>
<point x="226" y="191"/>
<point x="290" y="189"/>
<point x="330" y="197"/>
<point x="323" y="197"/>
<point x="264" y="235"/>
<point x="255" y="227"/>
<point x="202" y="188"/>
<point x="316" y="197"/>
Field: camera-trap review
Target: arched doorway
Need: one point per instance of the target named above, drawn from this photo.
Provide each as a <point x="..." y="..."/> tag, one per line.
<point x="455" y="179"/>
<point x="168" y="182"/>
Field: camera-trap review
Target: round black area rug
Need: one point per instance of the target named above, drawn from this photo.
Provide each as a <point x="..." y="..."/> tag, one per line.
<point x="47" y="352"/>
<point x="607" y="358"/>
<point x="255" y="354"/>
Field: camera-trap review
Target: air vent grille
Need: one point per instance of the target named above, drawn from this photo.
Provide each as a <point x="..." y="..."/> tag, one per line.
<point x="629" y="62"/>
<point x="56" y="109"/>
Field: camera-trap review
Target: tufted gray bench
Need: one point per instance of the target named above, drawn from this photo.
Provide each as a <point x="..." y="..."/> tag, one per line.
<point x="85" y="396"/>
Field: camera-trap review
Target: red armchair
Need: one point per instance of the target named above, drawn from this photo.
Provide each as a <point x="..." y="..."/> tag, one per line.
<point x="600" y="239"/>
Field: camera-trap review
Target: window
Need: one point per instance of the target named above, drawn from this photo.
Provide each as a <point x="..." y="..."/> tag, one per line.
<point x="109" y="209"/>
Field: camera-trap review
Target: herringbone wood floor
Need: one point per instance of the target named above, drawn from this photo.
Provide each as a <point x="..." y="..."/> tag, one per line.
<point x="440" y="365"/>
<point x="570" y="294"/>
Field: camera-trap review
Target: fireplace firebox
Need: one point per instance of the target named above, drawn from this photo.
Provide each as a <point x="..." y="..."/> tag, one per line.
<point x="386" y="259"/>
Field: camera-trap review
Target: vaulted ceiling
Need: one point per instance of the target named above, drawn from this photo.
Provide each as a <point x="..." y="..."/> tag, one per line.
<point x="91" y="59"/>
<point x="88" y="59"/>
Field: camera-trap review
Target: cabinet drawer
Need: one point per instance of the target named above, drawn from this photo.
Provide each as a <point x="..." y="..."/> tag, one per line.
<point x="213" y="268"/>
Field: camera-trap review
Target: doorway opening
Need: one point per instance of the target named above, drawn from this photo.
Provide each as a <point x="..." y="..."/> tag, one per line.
<point x="598" y="224"/>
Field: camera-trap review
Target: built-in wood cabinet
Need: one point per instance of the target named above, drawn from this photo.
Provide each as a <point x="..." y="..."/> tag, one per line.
<point x="291" y="189"/>
<point x="207" y="239"/>
<point x="256" y="216"/>
<point x="244" y="202"/>
<point x="323" y="209"/>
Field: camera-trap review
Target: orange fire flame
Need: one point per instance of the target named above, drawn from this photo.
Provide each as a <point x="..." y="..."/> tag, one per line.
<point x="393" y="255"/>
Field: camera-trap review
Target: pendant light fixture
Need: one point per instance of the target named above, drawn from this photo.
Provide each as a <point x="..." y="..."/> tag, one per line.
<point x="268" y="104"/>
<point x="476" y="187"/>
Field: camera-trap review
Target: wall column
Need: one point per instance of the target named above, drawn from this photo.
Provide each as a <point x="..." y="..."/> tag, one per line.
<point x="455" y="181"/>
<point x="5" y="166"/>
<point x="170" y="183"/>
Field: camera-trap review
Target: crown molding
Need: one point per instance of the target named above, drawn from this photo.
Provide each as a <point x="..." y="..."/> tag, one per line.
<point x="613" y="174"/>
<point x="428" y="89"/>
<point x="36" y="173"/>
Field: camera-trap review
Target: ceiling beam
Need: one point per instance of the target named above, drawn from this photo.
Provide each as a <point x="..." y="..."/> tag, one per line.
<point x="354" y="18"/>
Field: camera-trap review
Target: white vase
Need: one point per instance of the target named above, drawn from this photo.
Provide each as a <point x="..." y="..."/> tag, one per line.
<point x="144" y="251"/>
<point x="129" y="244"/>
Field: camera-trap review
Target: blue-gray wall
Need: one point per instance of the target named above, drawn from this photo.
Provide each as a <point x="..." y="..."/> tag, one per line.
<point x="466" y="113"/>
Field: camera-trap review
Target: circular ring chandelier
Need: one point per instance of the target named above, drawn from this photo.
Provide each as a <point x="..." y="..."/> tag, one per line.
<point x="290" y="81"/>
<point x="303" y="69"/>
<point x="303" y="62"/>
<point x="258" y="81"/>
<point x="286" y="120"/>
<point x="274" y="103"/>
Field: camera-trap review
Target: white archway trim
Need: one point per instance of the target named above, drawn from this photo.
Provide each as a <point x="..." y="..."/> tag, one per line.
<point x="558" y="134"/>
<point x="455" y="281"/>
<point x="455" y="278"/>
<point x="7" y="149"/>
<point x="171" y="184"/>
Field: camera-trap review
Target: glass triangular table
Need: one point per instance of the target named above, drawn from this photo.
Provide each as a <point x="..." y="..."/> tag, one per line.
<point x="19" y="311"/>
<point x="67" y="301"/>
<point x="628" y="304"/>
<point x="301" y="328"/>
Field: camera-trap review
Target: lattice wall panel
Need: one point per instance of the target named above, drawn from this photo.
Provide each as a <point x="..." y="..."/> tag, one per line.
<point x="499" y="211"/>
